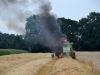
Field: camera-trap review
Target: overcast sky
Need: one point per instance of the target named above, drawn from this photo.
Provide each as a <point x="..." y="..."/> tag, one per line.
<point x="72" y="9"/>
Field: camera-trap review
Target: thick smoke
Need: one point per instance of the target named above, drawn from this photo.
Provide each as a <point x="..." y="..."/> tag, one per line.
<point x="15" y="13"/>
<point x="52" y="29"/>
<point x="45" y="27"/>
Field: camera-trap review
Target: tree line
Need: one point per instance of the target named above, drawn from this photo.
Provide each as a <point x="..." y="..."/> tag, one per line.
<point x="11" y="41"/>
<point x="85" y="34"/>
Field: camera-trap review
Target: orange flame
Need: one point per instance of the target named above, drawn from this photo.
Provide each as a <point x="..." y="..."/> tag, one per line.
<point x="60" y="55"/>
<point x="65" y="40"/>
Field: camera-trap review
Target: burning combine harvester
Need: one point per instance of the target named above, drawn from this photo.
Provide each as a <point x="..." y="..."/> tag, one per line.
<point x="65" y="49"/>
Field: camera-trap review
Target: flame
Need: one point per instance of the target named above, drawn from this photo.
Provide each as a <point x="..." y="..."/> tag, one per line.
<point x="60" y="55"/>
<point x="65" y="40"/>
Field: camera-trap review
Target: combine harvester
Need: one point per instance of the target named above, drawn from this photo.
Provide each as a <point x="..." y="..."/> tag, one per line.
<point x="66" y="50"/>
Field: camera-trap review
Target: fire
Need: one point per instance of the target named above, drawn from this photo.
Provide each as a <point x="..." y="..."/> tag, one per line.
<point x="65" y="40"/>
<point x="60" y="55"/>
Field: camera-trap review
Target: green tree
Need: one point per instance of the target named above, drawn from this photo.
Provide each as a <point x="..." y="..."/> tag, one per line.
<point x="90" y="31"/>
<point x="37" y="32"/>
<point x="71" y="29"/>
<point x="5" y="44"/>
<point x="18" y="43"/>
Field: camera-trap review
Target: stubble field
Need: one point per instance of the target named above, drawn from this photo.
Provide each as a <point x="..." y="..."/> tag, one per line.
<point x="42" y="64"/>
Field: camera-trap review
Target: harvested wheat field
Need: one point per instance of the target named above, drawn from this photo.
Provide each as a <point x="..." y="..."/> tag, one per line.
<point x="42" y="64"/>
<point x="90" y="56"/>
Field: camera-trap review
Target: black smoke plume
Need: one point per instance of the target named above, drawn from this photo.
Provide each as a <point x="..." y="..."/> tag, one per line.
<point x="44" y="27"/>
<point x="15" y="12"/>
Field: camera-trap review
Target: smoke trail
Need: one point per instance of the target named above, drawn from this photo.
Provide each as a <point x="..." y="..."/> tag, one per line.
<point x="45" y="29"/>
<point x="14" y="13"/>
<point x="52" y="29"/>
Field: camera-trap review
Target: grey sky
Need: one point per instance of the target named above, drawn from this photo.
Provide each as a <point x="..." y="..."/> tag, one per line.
<point x="73" y="9"/>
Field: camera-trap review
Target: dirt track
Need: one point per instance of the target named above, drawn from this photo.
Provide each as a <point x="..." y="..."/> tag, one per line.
<point x="41" y="64"/>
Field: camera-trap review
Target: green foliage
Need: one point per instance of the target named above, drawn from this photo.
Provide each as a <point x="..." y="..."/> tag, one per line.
<point x="11" y="41"/>
<point x="34" y="30"/>
<point x="71" y="29"/>
<point x="18" y="42"/>
<point x="11" y="51"/>
<point x="5" y="44"/>
<point x="90" y="32"/>
<point x="85" y="34"/>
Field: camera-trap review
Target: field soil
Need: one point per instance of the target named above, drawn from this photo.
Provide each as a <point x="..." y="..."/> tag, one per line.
<point x="42" y="64"/>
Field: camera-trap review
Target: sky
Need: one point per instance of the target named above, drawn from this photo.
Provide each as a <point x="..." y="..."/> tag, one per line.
<point x="72" y="9"/>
